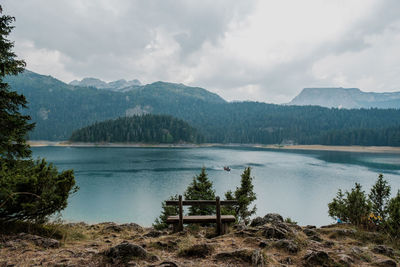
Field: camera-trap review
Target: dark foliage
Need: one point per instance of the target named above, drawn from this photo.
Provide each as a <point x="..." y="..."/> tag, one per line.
<point x="166" y="211"/>
<point x="144" y="129"/>
<point x="29" y="190"/>
<point x="201" y="188"/>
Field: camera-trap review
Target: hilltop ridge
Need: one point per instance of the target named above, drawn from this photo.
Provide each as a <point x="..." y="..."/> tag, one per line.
<point x="338" y="97"/>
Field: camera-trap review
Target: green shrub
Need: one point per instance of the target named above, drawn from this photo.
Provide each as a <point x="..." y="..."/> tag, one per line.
<point x="353" y="207"/>
<point x="33" y="190"/>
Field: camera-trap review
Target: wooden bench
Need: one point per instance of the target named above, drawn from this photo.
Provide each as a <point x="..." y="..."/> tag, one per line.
<point x="221" y="220"/>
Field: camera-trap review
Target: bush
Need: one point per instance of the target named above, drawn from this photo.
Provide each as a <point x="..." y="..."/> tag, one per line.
<point x="161" y="222"/>
<point x="354" y="208"/>
<point x="33" y="190"/>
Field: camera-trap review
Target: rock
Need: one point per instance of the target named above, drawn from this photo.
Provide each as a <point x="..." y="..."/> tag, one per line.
<point x="311" y="227"/>
<point x="257" y="259"/>
<point x="113" y="228"/>
<point x="132" y="227"/>
<point x="319" y="258"/>
<point x="258" y="222"/>
<point x="168" y="264"/>
<point x="287" y="245"/>
<point x="273" y="218"/>
<point x="39" y="241"/>
<point x="126" y="251"/>
<point x="312" y="234"/>
<point x="263" y="244"/>
<point x="287" y="261"/>
<point x="382" y="249"/>
<point x="328" y="244"/>
<point x="345" y="260"/>
<point x="309" y="232"/>
<point x="198" y="250"/>
<point x="275" y="232"/>
<point x="153" y="233"/>
<point x="254" y="257"/>
<point x="386" y="263"/>
<point x="153" y="258"/>
<point x="170" y="245"/>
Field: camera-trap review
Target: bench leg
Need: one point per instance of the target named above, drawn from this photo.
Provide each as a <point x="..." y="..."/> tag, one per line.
<point x="175" y="227"/>
<point x="224" y="229"/>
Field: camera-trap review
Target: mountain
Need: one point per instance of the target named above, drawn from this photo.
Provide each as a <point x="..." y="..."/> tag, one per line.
<point x="99" y="84"/>
<point x="346" y="98"/>
<point x="58" y="109"/>
<point x="138" y="129"/>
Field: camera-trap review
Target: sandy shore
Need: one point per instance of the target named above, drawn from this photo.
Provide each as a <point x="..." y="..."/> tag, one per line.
<point x="365" y="149"/>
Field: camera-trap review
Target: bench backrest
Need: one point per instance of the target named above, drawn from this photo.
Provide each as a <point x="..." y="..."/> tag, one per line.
<point x="217" y="202"/>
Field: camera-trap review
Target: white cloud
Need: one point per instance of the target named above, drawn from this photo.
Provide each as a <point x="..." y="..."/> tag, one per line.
<point x="258" y="50"/>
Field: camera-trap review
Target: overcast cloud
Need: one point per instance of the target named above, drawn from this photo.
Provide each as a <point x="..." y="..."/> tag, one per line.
<point x="243" y="50"/>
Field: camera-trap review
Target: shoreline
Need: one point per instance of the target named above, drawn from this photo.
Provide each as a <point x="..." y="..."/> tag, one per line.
<point x="362" y="149"/>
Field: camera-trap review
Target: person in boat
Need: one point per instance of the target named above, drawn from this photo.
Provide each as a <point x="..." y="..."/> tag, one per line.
<point x="226" y="168"/>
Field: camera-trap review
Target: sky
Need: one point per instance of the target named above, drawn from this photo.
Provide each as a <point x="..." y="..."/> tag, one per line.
<point x="265" y="51"/>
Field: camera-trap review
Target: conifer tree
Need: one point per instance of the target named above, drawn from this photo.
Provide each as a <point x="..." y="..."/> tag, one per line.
<point x="379" y="197"/>
<point x="14" y="126"/>
<point x="200" y="188"/>
<point x="161" y="222"/>
<point x="245" y="195"/>
<point x="29" y="190"/>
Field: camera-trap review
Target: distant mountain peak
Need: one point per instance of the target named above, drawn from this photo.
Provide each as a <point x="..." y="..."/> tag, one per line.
<point x="99" y="84"/>
<point x="339" y="97"/>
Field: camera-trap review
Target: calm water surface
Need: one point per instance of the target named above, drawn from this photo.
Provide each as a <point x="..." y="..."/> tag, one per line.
<point x="128" y="184"/>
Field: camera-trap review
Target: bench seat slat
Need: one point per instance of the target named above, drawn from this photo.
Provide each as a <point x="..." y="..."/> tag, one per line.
<point x="201" y="219"/>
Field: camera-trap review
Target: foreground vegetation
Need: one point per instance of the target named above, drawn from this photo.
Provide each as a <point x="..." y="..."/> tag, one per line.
<point x="30" y="190"/>
<point x="375" y="211"/>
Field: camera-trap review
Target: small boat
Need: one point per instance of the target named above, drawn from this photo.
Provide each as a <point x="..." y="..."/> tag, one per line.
<point x="226" y="168"/>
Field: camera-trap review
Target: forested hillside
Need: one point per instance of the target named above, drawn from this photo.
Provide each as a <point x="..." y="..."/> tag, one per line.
<point x="139" y="129"/>
<point x="58" y="109"/>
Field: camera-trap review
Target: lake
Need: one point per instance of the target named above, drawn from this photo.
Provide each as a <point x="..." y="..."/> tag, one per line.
<point x="129" y="184"/>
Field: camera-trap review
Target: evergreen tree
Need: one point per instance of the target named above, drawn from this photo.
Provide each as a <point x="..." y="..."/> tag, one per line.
<point x="200" y="188"/>
<point x="358" y="208"/>
<point x="393" y="220"/>
<point x="352" y="207"/>
<point x="245" y="195"/>
<point x="29" y="190"/>
<point x="337" y="208"/>
<point x="161" y="222"/>
<point x="379" y="197"/>
<point x="14" y="126"/>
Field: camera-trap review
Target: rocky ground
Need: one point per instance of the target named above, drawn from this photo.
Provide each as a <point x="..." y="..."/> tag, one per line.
<point x="268" y="241"/>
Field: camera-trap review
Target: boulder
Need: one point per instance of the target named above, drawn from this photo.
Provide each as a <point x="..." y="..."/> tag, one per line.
<point x="132" y="227"/>
<point x="312" y="234"/>
<point x="384" y="250"/>
<point x="125" y="251"/>
<point x="273" y="218"/>
<point x="39" y="241"/>
<point x="386" y="263"/>
<point x="258" y="221"/>
<point x="153" y="233"/>
<point x="254" y="257"/>
<point x="345" y="260"/>
<point x="319" y="258"/>
<point x="287" y="245"/>
<point x="276" y="232"/>
<point x="197" y="250"/>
